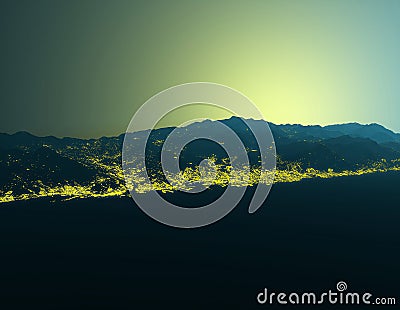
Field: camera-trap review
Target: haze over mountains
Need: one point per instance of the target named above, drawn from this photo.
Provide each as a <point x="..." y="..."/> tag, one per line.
<point x="27" y="160"/>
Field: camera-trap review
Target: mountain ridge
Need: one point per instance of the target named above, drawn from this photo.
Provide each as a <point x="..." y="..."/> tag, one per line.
<point x="368" y="142"/>
<point x="334" y="128"/>
<point x="34" y="166"/>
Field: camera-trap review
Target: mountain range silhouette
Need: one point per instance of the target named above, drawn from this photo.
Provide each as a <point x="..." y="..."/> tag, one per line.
<point x="25" y="158"/>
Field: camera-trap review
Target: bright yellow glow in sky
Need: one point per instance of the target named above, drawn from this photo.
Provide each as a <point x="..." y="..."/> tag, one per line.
<point x="82" y="68"/>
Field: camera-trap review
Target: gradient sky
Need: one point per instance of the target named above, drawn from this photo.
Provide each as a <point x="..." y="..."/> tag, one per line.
<point x="82" y="68"/>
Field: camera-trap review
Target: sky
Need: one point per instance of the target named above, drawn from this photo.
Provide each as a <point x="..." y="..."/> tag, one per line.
<point x="82" y="68"/>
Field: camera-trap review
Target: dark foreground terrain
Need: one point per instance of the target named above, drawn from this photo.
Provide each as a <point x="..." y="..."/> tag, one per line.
<point x="107" y="254"/>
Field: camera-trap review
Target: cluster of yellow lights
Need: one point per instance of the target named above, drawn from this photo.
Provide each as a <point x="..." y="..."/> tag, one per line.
<point x="222" y="175"/>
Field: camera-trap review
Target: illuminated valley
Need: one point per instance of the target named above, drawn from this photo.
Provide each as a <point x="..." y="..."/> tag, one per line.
<point x="37" y="167"/>
<point x="110" y="182"/>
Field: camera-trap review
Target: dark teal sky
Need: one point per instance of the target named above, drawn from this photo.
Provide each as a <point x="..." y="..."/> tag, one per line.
<point x="82" y="68"/>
